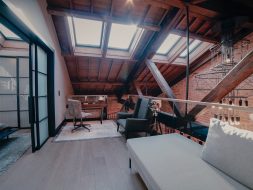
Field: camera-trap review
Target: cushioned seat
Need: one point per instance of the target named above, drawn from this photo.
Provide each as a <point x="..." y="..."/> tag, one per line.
<point x="174" y="162"/>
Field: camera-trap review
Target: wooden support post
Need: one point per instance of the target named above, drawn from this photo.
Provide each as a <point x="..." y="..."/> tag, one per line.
<point x="163" y="85"/>
<point x="237" y="75"/>
<point x="138" y="89"/>
<point x="187" y="58"/>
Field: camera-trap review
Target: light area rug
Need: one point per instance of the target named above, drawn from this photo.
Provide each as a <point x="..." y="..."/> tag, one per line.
<point x="97" y="130"/>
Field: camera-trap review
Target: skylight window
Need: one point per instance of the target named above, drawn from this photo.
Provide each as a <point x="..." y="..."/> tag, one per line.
<point x="8" y="33"/>
<point x="87" y="32"/>
<point x="168" y="43"/>
<point x="192" y="47"/>
<point x="121" y="36"/>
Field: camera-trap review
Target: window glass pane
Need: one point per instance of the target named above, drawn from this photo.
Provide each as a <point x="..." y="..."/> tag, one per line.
<point x="8" y="67"/>
<point x="121" y="36"/>
<point x="8" y="102"/>
<point x="43" y="131"/>
<point x="9" y="118"/>
<point x="24" y="67"/>
<point x="24" y="86"/>
<point x="42" y="84"/>
<point x="8" y="86"/>
<point x="168" y="44"/>
<point x="7" y="33"/>
<point x="24" y="119"/>
<point x="42" y="60"/>
<point x="88" y="32"/>
<point x="192" y="47"/>
<point x="23" y="101"/>
<point x="42" y="107"/>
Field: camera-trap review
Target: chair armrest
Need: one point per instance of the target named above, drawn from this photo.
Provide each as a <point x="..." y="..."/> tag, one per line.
<point x="124" y="115"/>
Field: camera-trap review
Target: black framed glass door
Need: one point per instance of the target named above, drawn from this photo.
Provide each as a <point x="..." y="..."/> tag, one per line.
<point x="38" y="99"/>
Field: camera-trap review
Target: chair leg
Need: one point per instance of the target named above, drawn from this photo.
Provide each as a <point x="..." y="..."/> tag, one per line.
<point x="80" y="125"/>
<point x="117" y="127"/>
<point x="84" y="125"/>
<point x="160" y="128"/>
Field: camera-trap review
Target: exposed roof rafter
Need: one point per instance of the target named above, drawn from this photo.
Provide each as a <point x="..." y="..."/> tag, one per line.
<point x="58" y="11"/>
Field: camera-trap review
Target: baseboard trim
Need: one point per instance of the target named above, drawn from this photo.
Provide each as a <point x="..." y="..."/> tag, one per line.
<point x="59" y="127"/>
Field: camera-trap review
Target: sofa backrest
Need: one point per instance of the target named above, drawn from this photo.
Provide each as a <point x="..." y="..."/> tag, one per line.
<point x="230" y="150"/>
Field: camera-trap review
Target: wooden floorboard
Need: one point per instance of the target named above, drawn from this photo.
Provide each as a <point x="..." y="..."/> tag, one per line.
<point x="99" y="164"/>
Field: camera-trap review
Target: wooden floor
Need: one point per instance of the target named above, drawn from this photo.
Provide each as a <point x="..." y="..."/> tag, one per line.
<point x="99" y="164"/>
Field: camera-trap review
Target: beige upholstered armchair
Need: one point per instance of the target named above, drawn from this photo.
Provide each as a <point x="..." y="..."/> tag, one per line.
<point x="74" y="110"/>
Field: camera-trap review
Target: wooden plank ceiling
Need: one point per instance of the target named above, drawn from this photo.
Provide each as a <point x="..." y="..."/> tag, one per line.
<point x="103" y="75"/>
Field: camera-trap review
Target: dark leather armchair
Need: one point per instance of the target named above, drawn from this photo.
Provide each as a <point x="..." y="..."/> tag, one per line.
<point x="138" y="121"/>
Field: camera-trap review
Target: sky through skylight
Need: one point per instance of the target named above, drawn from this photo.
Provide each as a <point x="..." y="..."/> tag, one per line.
<point x="121" y="36"/>
<point x="192" y="47"/>
<point x="168" y="43"/>
<point x="88" y="32"/>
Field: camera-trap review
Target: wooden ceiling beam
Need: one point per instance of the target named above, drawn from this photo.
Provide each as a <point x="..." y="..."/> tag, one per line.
<point x="196" y="36"/>
<point x="237" y="75"/>
<point x="110" y="69"/>
<point x="89" y="65"/>
<point x="118" y="73"/>
<point x="58" y="11"/>
<point x="104" y="58"/>
<point x="145" y="14"/>
<point x="106" y="35"/>
<point x="195" y="10"/>
<point x="77" y="69"/>
<point x="170" y="21"/>
<point x="111" y="83"/>
<point x="163" y="85"/>
<point x="70" y="46"/>
<point x="99" y="70"/>
<point x="138" y="89"/>
<point x="94" y="83"/>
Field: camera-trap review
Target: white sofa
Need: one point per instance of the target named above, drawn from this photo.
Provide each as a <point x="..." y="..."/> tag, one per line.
<point x="174" y="162"/>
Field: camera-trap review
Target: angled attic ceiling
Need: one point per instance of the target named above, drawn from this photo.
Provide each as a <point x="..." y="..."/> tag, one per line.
<point x="101" y="65"/>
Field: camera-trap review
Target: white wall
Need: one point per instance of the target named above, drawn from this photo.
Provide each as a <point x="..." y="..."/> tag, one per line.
<point x="33" y="13"/>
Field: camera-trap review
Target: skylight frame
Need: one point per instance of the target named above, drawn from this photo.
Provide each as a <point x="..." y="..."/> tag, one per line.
<point x="130" y="44"/>
<point x="175" y="43"/>
<point x="192" y="50"/>
<point x="16" y="38"/>
<point x="87" y="45"/>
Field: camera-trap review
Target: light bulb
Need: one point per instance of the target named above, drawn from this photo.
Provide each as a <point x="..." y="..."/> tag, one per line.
<point x="237" y="120"/>
<point x="227" y="60"/>
<point x="232" y="120"/>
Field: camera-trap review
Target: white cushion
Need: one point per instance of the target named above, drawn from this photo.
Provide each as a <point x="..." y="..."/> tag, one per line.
<point x="174" y="162"/>
<point x="231" y="150"/>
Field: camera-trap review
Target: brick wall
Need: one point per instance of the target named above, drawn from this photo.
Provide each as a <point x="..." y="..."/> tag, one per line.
<point x="205" y="115"/>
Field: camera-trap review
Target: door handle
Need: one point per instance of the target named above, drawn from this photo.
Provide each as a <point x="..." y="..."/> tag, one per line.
<point x="31" y="109"/>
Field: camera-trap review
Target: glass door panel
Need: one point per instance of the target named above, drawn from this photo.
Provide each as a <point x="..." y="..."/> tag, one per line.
<point x="41" y="92"/>
<point x="23" y="64"/>
<point x="39" y="96"/>
<point x="8" y="91"/>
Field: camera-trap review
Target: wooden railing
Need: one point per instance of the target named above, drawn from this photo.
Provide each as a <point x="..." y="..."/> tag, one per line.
<point x="112" y="116"/>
